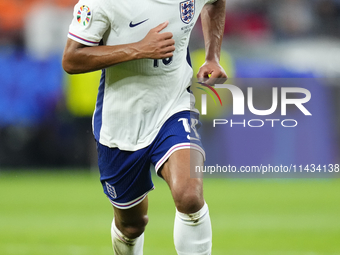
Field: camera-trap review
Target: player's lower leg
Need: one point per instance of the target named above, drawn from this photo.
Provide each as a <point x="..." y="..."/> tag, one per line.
<point x="127" y="229"/>
<point x="123" y="245"/>
<point x="192" y="232"/>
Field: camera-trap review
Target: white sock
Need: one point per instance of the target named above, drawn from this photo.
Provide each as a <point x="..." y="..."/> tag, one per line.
<point x="192" y="232"/>
<point x="123" y="245"/>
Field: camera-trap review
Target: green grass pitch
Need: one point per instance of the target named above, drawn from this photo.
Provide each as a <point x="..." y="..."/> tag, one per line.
<point x="65" y="213"/>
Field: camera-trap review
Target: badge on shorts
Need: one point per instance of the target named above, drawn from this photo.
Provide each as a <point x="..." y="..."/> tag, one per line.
<point x="187" y="9"/>
<point x="111" y="190"/>
<point x="84" y="15"/>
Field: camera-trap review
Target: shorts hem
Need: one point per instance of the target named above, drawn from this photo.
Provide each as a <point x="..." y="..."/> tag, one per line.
<point x="176" y="147"/>
<point x="131" y="203"/>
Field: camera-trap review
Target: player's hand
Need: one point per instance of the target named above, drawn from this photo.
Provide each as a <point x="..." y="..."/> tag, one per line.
<point x="157" y="45"/>
<point x="212" y="73"/>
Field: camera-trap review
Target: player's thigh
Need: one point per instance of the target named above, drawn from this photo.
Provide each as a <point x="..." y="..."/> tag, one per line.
<point x="187" y="190"/>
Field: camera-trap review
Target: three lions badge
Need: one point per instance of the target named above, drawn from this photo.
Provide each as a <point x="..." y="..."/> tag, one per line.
<point x="187" y="9"/>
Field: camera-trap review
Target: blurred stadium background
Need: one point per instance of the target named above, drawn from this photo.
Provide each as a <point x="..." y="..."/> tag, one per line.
<point x="51" y="201"/>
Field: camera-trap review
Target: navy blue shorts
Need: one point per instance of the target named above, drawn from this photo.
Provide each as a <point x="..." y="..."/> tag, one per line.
<point x="126" y="175"/>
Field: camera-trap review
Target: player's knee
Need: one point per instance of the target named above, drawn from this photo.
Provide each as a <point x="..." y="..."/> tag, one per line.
<point x="134" y="228"/>
<point x="188" y="201"/>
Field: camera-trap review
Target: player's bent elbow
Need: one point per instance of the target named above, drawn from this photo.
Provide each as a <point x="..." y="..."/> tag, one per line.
<point x="68" y="70"/>
<point x="67" y="66"/>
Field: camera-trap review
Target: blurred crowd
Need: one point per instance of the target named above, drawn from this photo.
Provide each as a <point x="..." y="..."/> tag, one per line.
<point x="41" y="25"/>
<point x="283" y="18"/>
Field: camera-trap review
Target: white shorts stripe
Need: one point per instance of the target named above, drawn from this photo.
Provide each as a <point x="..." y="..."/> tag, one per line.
<point x="177" y="147"/>
<point x="132" y="203"/>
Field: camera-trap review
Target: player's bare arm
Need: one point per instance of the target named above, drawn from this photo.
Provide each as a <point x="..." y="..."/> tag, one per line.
<point x="79" y="58"/>
<point x="213" y="19"/>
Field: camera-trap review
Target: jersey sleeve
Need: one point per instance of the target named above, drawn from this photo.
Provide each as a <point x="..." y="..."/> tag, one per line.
<point x="90" y="22"/>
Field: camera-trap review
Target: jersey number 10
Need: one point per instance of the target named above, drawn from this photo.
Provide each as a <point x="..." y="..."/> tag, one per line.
<point x="166" y="61"/>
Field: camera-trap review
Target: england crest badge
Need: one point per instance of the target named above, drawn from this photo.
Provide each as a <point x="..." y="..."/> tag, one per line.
<point x="187" y="9"/>
<point x="111" y="190"/>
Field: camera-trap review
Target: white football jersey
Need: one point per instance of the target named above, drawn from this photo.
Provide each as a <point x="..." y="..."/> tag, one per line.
<point x="136" y="97"/>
